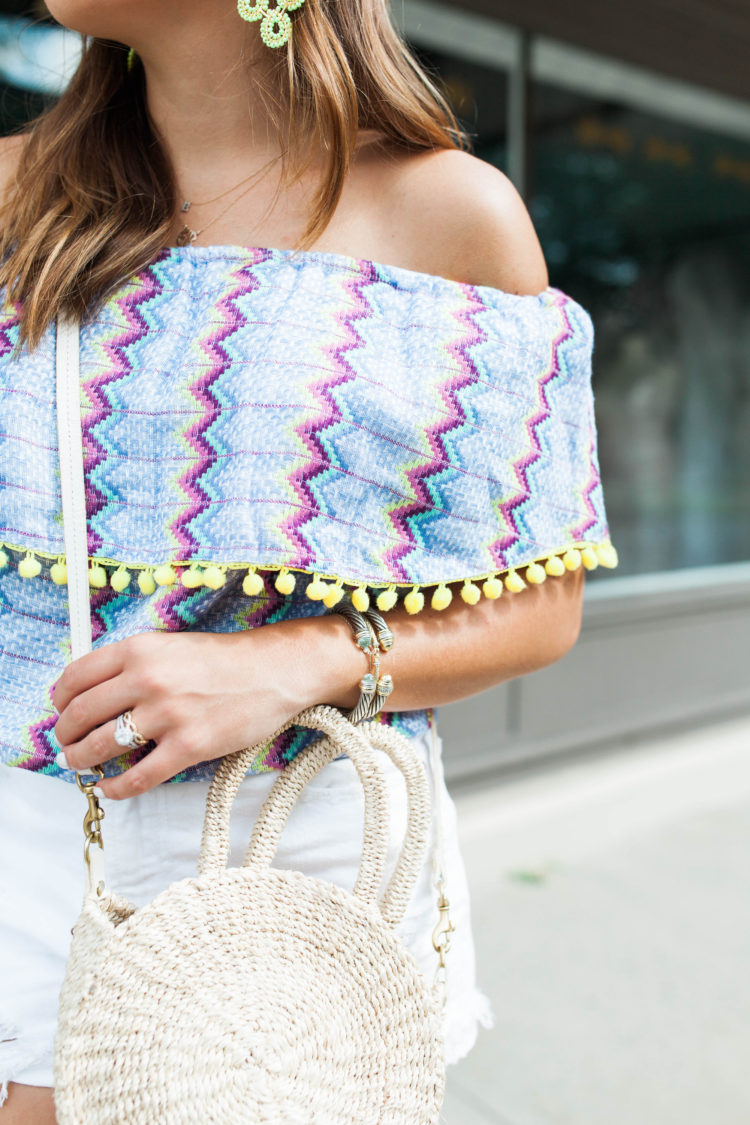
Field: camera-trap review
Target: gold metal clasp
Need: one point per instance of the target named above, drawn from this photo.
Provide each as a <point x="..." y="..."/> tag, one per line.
<point x="92" y="821"/>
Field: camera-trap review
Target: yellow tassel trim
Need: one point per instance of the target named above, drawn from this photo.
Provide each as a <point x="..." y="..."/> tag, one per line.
<point x="327" y="589"/>
<point x="360" y="599"/>
<point x="29" y="567"/>
<point x="97" y="576"/>
<point x="536" y="574"/>
<point x="253" y="584"/>
<point x="165" y="575"/>
<point x="492" y="588"/>
<point x="442" y="597"/>
<point x="58" y="572"/>
<point x="191" y="578"/>
<point x="589" y="559"/>
<point x="606" y="554"/>
<point x="470" y="592"/>
<point x="146" y="582"/>
<point x="414" y="601"/>
<point x="514" y="582"/>
<point x="334" y="594"/>
<point x="285" y="582"/>
<point x="386" y="599"/>
<point x="317" y="589"/>
<point x="120" y="580"/>
<point x="214" y="577"/>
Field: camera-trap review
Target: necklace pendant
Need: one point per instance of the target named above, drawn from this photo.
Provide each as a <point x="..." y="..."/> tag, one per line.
<point x="187" y="236"/>
<point x="186" y="205"/>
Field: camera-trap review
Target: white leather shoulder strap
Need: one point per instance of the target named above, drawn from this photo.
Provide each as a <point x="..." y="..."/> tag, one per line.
<point x="70" y="441"/>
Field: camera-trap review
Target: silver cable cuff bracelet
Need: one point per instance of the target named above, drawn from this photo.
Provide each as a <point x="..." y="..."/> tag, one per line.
<point x="372" y="636"/>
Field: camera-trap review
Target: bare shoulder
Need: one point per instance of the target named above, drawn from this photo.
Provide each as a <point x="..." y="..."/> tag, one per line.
<point x="11" y="149"/>
<point x="462" y="218"/>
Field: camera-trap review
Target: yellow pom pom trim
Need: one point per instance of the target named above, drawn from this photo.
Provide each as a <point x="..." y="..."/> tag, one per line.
<point x="535" y="574"/>
<point x="572" y="559"/>
<point x="165" y="575"/>
<point x="253" y="584"/>
<point x="146" y="582"/>
<point x="589" y="559"/>
<point x="414" y="601"/>
<point x="386" y="599"/>
<point x="492" y="588"/>
<point x="191" y="578"/>
<point x="554" y="566"/>
<point x="334" y="594"/>
<point x="29" y="567"/>
<point x="470" y="592"/>
<point x="360" y="599"/>
<point x="514" y="582"/>
<point x="607" y="555"/>
<point x="4" y="560"/>
<point x="58" y="572"/>
<point x="285" y="582"/>
<point x="97" y="576"/>
<point x="214" y="577"/>
<point x="120" y="580"/>
<point x="442" y="597"/>
<point x="317" y="589"/>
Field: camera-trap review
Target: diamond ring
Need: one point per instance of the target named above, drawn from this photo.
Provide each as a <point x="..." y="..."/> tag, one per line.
<point x="127" y="733"/>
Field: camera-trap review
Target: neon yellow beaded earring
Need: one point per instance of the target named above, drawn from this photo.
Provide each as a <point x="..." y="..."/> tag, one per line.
<point x="276" y="26"/>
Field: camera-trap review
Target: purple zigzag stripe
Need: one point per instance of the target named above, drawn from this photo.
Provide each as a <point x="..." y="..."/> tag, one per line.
<point x="7" y="324"/>
<point x="328" y="415"/>
<point x="195" y="436"/>
<point x="145" y="289"/>
<point x="593" y="482"/>
<point x="45" y="748"/>
<point x="453" y="418"/>
<point x="522" y="466"/>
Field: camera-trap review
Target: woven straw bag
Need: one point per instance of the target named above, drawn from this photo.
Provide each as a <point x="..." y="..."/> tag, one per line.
<point x="253" y="994"/>
<point x="247" y="995"/>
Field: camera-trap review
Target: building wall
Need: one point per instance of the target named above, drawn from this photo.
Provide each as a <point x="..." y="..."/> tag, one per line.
<point x="701" y="41"/>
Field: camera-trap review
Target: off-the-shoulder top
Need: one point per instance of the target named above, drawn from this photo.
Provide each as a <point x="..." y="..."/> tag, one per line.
<point x="268" y="431"/>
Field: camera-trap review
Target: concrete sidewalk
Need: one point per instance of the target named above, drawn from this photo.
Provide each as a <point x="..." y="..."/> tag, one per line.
<point x="612" y="919"/>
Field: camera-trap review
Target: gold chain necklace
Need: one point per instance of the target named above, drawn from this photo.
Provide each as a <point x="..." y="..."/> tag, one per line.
<point x="187" y="235"/>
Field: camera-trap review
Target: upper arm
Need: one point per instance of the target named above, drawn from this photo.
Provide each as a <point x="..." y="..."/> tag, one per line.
<point x="470" y="222"/>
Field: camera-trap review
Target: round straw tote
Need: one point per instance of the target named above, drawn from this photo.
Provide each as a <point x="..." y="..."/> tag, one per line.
<point x="254" y="994"/>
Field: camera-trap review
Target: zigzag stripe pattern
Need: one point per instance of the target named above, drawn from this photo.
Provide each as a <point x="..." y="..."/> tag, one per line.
<point x="266" y="409"/>
<point x="310" y="430"/>
<point x="116" y="366"/>
<point x="424" y="479"/>
<point x="510" y="508"/>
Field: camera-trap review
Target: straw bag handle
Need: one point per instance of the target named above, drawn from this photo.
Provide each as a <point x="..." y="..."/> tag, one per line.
<point x="343" y="738"/>
<point x="357" y="743"/>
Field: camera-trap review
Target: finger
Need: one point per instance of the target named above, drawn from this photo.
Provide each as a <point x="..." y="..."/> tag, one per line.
<point x="160" y="765"/>
<point x="89" y="670"/>
<point x="91" y="709"/>
<point x="99" y="746"/>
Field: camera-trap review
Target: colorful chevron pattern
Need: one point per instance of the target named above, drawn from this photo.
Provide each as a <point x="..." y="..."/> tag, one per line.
<point x="301" y="414"/>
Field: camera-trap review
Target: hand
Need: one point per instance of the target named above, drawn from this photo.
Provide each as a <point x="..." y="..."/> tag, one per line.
<point x="197" y="695"/>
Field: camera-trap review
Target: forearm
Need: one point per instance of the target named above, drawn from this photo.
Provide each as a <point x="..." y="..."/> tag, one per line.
<point x="439" y="657"/>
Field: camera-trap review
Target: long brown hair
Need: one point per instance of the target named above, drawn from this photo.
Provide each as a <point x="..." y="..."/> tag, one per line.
<point x="94" y="196"/>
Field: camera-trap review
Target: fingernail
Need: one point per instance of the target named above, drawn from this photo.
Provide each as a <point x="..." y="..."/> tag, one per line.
<point x="62" y="761"/>
<point x="99" y="793"/>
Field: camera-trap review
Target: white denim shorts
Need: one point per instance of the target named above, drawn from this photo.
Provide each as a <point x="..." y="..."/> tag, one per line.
<point x="152" y="840"/>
